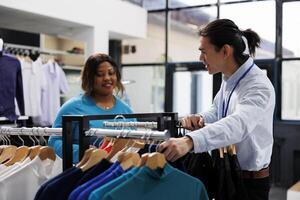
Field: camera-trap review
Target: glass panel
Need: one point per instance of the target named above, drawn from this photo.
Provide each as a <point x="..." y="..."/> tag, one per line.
<point x="146" y="89"/>
<point x="223" y="1"/>
<point x="204" y="91"/>
<point x="149" y="4"/>
<point x="185" y="3"/>
<point x="183" y="38"/>
<point x="150" y="49"/>
<point x="290" y="98"/>
<point x="192" y="92"/>
<point x="290" y="34"/>
<point x="154" y="4"/>
<point x="74" y="83"/>
<point x="182" y="93"/>
<point x="261" y="20"/>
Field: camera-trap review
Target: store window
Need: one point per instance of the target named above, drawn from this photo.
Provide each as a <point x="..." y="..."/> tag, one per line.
<point x="259" y="16"/>
<point x="145" y="91"/>
<point x="150" y="49"/>
<point x="149" y="4"/>
<point x="183" y="41"/>
<point x="185" y="3"/>
<point x="290" y="34"/>
<point x="192" y="92"/>
<point x="290" y="97"/>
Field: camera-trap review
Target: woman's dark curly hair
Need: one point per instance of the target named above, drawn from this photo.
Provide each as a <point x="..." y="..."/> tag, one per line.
<point x="90" y="69"/>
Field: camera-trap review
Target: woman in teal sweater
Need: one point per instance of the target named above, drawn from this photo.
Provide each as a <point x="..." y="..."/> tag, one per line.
<point x="101" y="78"/>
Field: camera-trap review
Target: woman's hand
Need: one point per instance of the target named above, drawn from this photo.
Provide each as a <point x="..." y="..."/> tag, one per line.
<point x="192" y="122"/>
<point x="175" y="148"/>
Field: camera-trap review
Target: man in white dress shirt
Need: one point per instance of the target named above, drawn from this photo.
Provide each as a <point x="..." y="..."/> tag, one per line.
<point x="242" y="110"/>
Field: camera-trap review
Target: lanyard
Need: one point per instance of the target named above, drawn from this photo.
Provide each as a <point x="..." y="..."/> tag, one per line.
<point x="225" y="109"/>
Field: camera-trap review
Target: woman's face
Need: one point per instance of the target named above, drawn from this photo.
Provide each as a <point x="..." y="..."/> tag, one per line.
<point x="105" y="79"/>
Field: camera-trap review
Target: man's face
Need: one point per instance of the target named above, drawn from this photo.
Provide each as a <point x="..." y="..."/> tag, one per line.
<point x="211" y="58"/>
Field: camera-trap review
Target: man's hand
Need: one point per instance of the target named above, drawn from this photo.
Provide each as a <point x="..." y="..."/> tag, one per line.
<point x="193" y="122"/>
<point x="175" y="148"/>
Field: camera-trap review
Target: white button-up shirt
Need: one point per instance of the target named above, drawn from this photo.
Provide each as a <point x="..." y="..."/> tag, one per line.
<point x="249" y="120"/>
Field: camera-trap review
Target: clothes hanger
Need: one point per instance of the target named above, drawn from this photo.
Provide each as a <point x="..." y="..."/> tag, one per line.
<point x="232" y="149"/>
<point x="156" y="160"/>
<point x="128" y="160"/>
<point x="118" y="145"/>
<point x="47" y="152"/>
<point x="132" y="143"/>
<point x="144" y="158"/>
<point x="21" y="153"/>
<point x="9" y="150"/>
<point x="7" y="153"/>
<point x="35" y="149"/>
<point x="96" y="156"/>
<point x="87" y="154"/>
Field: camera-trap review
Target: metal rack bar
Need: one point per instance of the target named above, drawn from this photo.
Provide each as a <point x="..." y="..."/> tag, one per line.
<point x="140" y="134"/>
<point x="37" y="131"/>
<point x="149" y="125"/>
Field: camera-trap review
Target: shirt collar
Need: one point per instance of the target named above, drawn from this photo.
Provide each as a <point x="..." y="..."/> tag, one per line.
<point x="238" y="73"/>
<point x="159" y="173"/>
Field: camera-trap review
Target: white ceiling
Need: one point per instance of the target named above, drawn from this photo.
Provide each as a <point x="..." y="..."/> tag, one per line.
<point x="29" y="22"/>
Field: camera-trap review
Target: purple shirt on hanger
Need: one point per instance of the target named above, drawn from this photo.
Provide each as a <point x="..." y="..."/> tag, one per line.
<point x="11" y="87"/>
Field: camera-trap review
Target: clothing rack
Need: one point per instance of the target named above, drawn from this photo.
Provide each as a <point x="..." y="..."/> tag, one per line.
<point x="143" y="134"/>
<point x="37" y="49"/>
<point x="36" y="131"/>
<point x="165" y="121"/>
<point x="149" y="125"/>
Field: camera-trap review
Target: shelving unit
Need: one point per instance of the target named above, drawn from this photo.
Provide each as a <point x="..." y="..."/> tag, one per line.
<point x="61" y="46"/>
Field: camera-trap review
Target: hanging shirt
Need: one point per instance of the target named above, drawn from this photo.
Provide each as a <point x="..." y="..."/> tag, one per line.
<point x="99" y="193"/>
<point x="34" y="83"/>
<point x="118" y="171"/>
<point x="56" y="84"/>
<point x="83" y="105"/>
<point x="99" y="168"/>
<point x="44" y="185"/>
<point x="11" y="87"/>
<point x="76" y="192"/>
<point x="10" y="169"/>
<point x="25" y="182"/>
<point x="62" y="186"/>
<point x="249" y="120"/>
<point x="166" y="183"/>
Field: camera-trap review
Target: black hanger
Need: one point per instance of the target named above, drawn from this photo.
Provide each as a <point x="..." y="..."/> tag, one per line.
<point x="34" y="54"/>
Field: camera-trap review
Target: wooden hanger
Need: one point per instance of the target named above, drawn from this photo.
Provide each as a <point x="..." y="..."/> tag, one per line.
<point x="96" y="156"/>
<point x="20" y="155"/>
<point x="117" y="146"/>
<point x="232" y="149"/>
<point x="221" y="152"/>
<point x="129" y="159"/>
<point x="47" y="153"/>
<point x="85" y="157"/>
<point x="139" y="145"/>
<point x="144" y="159"/>
<point x="7" y="153"/>
<point x="156" y="160"/>
<point x="133" y="143"/>
<point x="34" y="151"/>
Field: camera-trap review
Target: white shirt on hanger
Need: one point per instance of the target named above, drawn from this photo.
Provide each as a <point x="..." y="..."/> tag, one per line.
<point x="10" y="169"/>
<point x="25" y="182"/>
<point x="56" y="84"/>
<point x="34" y="83"/>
